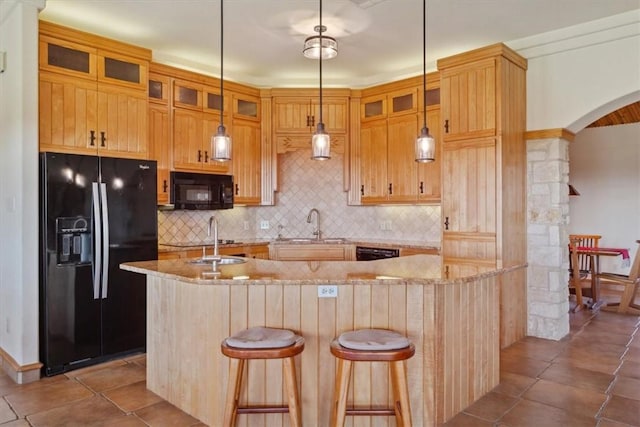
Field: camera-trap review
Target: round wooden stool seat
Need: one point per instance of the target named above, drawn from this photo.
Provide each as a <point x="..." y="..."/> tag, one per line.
<point x="373" y="345"/>
<point x="262" y="343"/>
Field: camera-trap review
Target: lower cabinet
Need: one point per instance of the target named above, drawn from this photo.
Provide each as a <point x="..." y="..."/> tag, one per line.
<point x="252" y="251"/>
<point x="312" y="252"/>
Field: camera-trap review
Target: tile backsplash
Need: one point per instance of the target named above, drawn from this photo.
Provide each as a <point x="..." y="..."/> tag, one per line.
<point x="305" y="184"/>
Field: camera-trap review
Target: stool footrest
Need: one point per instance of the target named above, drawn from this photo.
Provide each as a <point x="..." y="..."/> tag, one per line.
<point x="263" y="409"/>
<point x="370" y="411"/>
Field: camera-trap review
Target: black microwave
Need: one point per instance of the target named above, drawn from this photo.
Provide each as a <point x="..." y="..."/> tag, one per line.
<point x="201" y="191"/>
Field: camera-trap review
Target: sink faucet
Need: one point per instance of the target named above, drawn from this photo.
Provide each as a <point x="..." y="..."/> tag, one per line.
<point x="317" y="231"/>
<point x="213" y="221"/>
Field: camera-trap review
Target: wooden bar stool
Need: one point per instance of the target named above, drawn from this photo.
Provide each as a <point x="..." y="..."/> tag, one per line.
<point x="262" y="343"/>
<point x="372" y="345"/>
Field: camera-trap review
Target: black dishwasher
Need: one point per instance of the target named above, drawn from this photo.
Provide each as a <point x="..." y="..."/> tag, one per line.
<point x="368" y="254"/>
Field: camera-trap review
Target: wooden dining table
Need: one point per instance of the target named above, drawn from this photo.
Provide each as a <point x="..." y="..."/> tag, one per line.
<point x="594" y="254"/>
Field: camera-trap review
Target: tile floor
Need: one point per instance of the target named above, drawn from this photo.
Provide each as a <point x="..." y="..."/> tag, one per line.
<point x="590" y="378"/>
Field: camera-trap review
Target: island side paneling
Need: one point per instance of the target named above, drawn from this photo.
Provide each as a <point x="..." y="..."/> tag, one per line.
<point x="455" y="327"/>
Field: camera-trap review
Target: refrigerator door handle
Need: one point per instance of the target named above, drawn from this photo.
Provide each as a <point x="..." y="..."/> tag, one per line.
<point x="97" y="240"/>
<point x="105" y="239"/>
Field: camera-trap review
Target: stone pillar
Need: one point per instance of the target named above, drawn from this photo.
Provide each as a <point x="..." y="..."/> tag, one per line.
<point x="548" y="218"/>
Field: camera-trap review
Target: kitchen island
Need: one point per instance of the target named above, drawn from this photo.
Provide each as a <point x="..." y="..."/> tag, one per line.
<point x="454" y="324"/>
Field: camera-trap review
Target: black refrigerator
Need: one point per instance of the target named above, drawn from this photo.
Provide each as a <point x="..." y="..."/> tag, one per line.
<point x="95" y="213"/>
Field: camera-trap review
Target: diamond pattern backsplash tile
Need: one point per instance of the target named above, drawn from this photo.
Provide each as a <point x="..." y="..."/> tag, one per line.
<point x="305" y="184"/>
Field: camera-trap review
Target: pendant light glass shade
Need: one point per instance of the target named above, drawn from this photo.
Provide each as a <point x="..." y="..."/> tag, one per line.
<point x="321" y="141"/>
<point x="320" y="144"/>
<point x="312" y="49"/>
<point x="425" y="147"/>
<point x="221" y="145"/>
<point x="221" y="142"/>
<point x="425" y="143"/>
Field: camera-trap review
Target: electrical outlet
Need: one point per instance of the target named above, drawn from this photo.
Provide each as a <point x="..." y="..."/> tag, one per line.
<point x="264" y="225"/>
<point x="327" y="291"/>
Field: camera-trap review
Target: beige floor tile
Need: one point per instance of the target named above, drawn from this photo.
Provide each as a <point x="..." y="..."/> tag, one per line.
<point x="6" y="414"/>
<point x="86" y="412"/>
<point x="567" y="398"/>
<point x="29" y="400"/>
<point x="132" y="397"/>
<point x="116" y="376"/>
<point x="164" y="414"/>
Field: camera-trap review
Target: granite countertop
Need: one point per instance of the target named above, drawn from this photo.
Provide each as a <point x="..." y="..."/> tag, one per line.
<point x="376" y="243"/>
<point x="414" y="267"/>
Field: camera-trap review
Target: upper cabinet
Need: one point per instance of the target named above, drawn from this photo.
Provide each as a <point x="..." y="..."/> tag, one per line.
<point x="296" y="114"/>
<point x="93" y="94"/>
<point x="383" y="167"/>
<point x="247" y="149"/>
<point x="484" y="154"/>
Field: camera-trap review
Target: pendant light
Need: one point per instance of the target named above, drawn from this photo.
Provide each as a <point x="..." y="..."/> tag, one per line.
<point x="321" y="141"/>
<point x="425" y="143"/>
<point x="221" y="142"/>
<point x="315" y="46"/>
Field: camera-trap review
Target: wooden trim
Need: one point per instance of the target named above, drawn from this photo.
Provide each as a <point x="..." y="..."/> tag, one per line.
<point x="302" y="93"/>
<point x="550" y="133"/>
<point x="15" y="366"/>
<point x="498" y="49"/>
<point x="433" y="82"/>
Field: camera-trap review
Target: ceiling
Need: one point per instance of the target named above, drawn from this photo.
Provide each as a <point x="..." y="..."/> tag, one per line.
<point x="379" y="40"/>
<point x="624" y="115"/>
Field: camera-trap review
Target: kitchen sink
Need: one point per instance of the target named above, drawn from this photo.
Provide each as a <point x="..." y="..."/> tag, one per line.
<point x="221" y="260"/>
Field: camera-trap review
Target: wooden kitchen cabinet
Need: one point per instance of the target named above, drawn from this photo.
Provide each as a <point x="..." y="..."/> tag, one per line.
<point x="296" y="113"/>
<point x="160" y="142"/>
<point x="390" y="121"/>
<point x="483" y="96"/>
<point x="312" y="252"/>
<point x="93" y="94"/>
<point x="247" y="149"/>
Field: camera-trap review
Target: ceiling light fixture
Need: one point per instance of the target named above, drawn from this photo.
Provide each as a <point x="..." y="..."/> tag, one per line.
<point x="312" y="45"/>
<point x="221" y="142"/>
<point x="321" y="141"/>
<point x="425" y="143"/>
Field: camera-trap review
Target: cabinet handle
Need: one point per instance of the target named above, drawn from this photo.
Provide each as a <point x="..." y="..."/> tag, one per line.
<point x="362" y="190"/>
<point x="446" y="222"/>
<point x="390" y="188"/>
<point x="199" y="156"/>
<point x="237" y="189"/>
<point x="308" y="120"/>
<point x="164" y="185"/>
<point x="102" y="139"/>
<point x="313" y="121"/>
<point x="421" y="187"/>
<point x="446" y="272"/>
<point x="92" y="138"/>
<point x="446" y="126"/>
<point x="206" y="157"/>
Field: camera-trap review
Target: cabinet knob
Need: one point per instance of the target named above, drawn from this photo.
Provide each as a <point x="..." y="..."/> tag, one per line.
<point x="199" y="156"/>
<point x="92" y="138"/>
<point x="103" y="138"/>
<point x="164" y="185"/>
<point x="446" y="126"/>
<point x="206" y="157"/>
<point x="390" y="188"/>
<point x="446" y="222"/>
<point x="421" y="187"/>
<point x="446" y="272"/>
<point x="237" y="189"/>
<point x="362" y="190"/>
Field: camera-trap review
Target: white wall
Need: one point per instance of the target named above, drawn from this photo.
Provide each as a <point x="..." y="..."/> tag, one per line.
<point x="580" y="73"/>
<point x="604" y="166"/>
<point x="18" y="180"/>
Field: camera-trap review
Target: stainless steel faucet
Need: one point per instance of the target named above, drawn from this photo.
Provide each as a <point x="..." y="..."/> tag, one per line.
<point x="213" y="221"/>
<point x="317" y="231"/>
